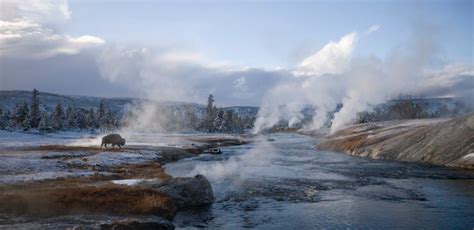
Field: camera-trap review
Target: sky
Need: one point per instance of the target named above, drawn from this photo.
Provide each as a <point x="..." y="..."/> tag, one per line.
<point x="237" y="50"/>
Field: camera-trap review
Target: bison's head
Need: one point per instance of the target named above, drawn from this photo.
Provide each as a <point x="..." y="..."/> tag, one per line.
<point x="122" y="141"/>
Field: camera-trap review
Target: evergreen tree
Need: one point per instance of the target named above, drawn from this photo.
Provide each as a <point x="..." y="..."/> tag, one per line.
<point x="3" y="119"/>
<point x="101" y="119"/>
<point x="109" y="120"/>
<point x="209" y="117"/>
<point x="90" y="119"/>
<point x="58" y="117"/>
<point x="20" y="114"/>
<point x="34" y="116"/>
<point x="9" y="121"/>
<point x="228" y="123"/>
<point x="81" y="119"/>
<point x="218" y="120"/>
<point x="71" y="118"/>
<point x="45" y="124"/>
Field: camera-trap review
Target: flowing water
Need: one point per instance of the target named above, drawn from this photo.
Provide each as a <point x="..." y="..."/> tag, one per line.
<point x="281" y="181"/>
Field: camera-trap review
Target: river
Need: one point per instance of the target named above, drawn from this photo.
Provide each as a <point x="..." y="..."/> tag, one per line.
<point x="281" y="181"/>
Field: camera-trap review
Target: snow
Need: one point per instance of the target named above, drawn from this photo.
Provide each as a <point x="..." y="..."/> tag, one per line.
<point x="40" y="176"/>
<point x="132" y="182"/>
<point x="470" y="155"/>
<point x="25" y="139"/>
<point x="28" y="166"/>
<point x="108" y="159"/>
<point x="20" y="164"/>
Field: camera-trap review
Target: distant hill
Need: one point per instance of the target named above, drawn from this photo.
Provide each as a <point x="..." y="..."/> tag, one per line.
<point x="9" y="99"/>
<point x="407" y="108"/>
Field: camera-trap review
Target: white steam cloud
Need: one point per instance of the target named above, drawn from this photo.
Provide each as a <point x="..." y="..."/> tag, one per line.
<point x="331" y="59"/>
<point x="254" y="161"/>
<point x="332" y="77"/>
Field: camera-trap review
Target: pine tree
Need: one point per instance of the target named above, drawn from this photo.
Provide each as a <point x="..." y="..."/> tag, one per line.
<point x="71" y="117"/>
<point x="109" y="120"/>
<point x="101" y="110"/>
<point x="20" y="115"/>
<point x="228" y="123"/>
<point x="34" y="117"/>
<point x="45" y="124"/>
<point x="3" y="119"/>
<point x="210" y="115"/>
<point x="58" y="117"/>
<point x="81" y="119"/>
<point x="90" y="119"/>
<point x="218" y="120"/>
<point x="9" y="121"/>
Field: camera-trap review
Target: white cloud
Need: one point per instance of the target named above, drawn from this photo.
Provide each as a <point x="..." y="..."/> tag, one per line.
<point x="331" y="59"/>
<point x="25" y="30"/>
<point x="27" y="39"/>
<point x="41" y="11"/>
<point x="372" y="29"/>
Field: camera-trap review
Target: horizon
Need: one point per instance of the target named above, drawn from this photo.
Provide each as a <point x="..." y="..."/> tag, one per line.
<point x="408" y="97"/>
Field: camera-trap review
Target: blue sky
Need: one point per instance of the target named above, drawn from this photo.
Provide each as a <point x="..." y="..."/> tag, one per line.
<point x="272" y="34"/>
<point x="240" y="51"/>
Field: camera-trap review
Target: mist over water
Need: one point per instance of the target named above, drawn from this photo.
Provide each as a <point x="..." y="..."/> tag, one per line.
<point x="255" y="160"/>
<point x="287" y="183"/>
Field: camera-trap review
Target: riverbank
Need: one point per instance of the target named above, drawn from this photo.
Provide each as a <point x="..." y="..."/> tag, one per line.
<point x="443" y="142"/>
<point x="72" y="182"/>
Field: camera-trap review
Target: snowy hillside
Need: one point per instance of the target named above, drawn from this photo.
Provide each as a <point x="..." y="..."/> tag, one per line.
<point x="9" y="99"/>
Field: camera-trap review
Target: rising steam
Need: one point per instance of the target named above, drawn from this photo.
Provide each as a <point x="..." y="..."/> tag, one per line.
<point x="332" y="77"/>
<point x="337" y="84"/>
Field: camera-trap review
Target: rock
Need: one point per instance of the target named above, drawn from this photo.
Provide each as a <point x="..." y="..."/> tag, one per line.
<point x="188" y="191"/>
<point x="135" y="225"/>
<point x="214" y="151"/>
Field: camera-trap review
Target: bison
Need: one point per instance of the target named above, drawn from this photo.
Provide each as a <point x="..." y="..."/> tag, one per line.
<point x="114" y="139"/>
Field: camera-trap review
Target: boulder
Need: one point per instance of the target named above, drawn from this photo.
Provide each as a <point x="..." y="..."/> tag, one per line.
<point x="188" y="191"/>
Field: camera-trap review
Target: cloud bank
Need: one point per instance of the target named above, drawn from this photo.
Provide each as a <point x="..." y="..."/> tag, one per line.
<point x="27" y="30"/>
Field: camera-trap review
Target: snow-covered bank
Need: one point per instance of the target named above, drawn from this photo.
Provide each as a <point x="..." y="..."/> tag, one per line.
<point x="57" y="174"/>
<point x="29" y="156"/>
<point x="432" y="141"/>
<point x="24" y="139"/>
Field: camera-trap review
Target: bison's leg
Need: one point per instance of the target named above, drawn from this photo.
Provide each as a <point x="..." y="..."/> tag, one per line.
<point x="119" y="146"/>
<point x="105" y="144"/>
<point x="113" y="145"/>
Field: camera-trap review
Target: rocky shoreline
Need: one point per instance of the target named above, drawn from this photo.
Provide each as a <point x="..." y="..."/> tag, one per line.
<point x="121" y="188"/>
<point x="442" y="142"/>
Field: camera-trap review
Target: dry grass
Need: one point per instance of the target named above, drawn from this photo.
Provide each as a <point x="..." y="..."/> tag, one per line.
<point x="91" y="194"/>
<point x="146" y="170"/>
<point x="88" y="199"/>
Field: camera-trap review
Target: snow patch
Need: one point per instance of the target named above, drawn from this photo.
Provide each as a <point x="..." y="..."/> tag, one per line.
<point x="470" y="155"/>
<point x="132" y="182"/>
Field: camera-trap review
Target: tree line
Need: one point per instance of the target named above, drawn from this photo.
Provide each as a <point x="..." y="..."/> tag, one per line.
<point x="29" y="116"/>
<point x="220" y="120"/>
<point x="25" y="117"/>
